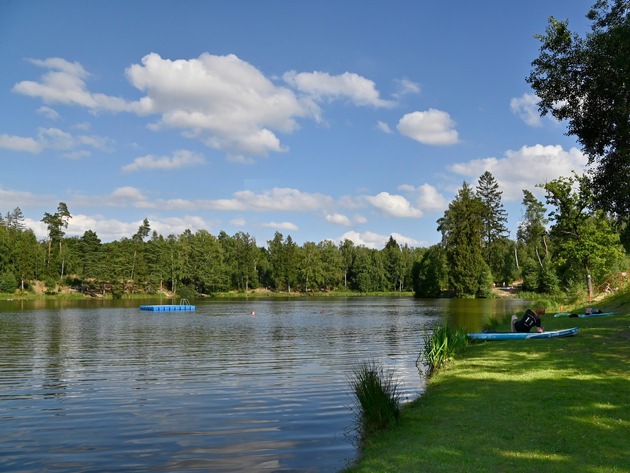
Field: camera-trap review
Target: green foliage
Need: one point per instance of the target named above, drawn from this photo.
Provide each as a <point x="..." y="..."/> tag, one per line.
<point x="377" y="397"/>
<point x="462" y="230"/>
<point x="51" y="287"/>
<point x="441" y="345"/>
<point x="583" y="81"/>
<point x="8" y="283"/>
<point x="430" y="273"/>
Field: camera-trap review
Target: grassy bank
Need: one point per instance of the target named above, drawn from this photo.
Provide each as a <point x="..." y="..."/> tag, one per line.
<point x="553" y="405"/>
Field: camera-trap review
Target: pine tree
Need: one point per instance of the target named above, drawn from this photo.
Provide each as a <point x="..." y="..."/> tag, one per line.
<point x="462" y="234"/>
<point x="494" y="216"/>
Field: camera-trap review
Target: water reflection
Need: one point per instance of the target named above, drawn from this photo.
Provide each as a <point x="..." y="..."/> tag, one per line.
<point x="111" y="388"/>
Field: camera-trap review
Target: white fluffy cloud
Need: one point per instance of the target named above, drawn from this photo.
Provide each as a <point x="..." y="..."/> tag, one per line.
<point x="222" y="100"/>
<point x="322" y="86"/>
<point x="286" y="226"/>
<point x="180" y="159"/>
<point x="338" y="219"/>
<point x="375" y="240"/>
<point x="433" y="127"/>
<point x="278" y="199"/>
<point x="426" y="197"/>
<point x="526" y="108"/>
<point x="524" y="168"/>
<point x="54" y="138"/>
<point x="64" y="83"/>
<point x="393" y="205"/>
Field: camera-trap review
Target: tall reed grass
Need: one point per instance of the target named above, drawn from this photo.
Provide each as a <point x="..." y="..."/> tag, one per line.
<point x="440" y="345"/>
<point x="377" y="397"/>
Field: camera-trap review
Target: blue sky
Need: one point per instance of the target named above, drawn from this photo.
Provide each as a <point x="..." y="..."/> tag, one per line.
<point x="318" y="119"/>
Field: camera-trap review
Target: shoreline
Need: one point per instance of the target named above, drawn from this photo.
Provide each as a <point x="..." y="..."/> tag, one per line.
<point x="538" y="405"/>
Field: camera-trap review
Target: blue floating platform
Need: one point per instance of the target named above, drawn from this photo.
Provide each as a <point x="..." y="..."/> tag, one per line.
<point x="168" y="308"/>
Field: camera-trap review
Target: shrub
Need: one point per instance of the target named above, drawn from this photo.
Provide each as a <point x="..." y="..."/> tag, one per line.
<point x="441" y="345"/>
<point x="377" y="397"/>
<point x="8" y="282"/>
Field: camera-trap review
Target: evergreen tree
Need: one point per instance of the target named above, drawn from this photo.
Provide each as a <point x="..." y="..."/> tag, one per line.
<point x="494" y="217"/>
<point x="462" y="234"/>
<point x="430" y="273"/>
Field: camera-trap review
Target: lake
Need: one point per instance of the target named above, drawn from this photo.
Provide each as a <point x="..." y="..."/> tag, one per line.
<point x="102" y="386"/>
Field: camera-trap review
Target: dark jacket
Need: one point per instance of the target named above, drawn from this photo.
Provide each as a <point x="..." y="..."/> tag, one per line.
<point x="527" y="322"/>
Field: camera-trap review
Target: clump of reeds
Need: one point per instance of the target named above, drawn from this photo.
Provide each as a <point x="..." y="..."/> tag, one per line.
<point x="442" y="344"/>
<point x="377" y="397"/>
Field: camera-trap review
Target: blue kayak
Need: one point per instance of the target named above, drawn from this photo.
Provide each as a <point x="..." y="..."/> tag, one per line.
<point x="567" y="332"/>
<point x="584" y="316"/>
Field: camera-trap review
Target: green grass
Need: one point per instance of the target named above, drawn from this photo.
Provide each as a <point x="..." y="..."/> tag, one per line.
<point x="552" y="405"/>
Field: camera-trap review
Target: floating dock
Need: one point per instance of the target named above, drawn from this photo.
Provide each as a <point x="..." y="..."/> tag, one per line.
<point x="168" y="308"/>
<point x="184" y="306"/>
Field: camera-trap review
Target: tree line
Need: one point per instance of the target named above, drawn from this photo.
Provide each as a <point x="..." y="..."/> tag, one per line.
<point x="556" y="249"/>
<point x="192" y="263"/>
<point x="565" y="248"/>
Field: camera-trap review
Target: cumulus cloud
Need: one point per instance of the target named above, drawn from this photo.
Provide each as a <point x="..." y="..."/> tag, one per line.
<point x="64" y="83"/>
<point x="109" y="229"/>
<point x="433" y="127"/>
<point x="180" y="159"/>
<point x="384" y="127"/>
<point x="275" y="200"/>
<point x="11" y="199"/>
<point x="376" y="241"/>
<point x="322" y="86"/>
<point x="338" y="219"/>
<point x="524" y="168"/>
<point x="405" y="87"/>
<point x="426" y="197"/>
<point x="222" y="100"/>
<point x="287" y="226"/>
<point x="56" y="139"/>
<point x="20" y="143"/>
<point x="526" y="108"/>
<point x="281" y="199"/>
<point x="48" y="112"/>
<point x="393" y="205"/>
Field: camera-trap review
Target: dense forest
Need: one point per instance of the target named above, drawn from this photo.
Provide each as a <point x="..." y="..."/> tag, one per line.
<point x="561" y="249"/>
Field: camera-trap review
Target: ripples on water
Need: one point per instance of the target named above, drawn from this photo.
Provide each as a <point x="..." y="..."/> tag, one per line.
<point x="218" y="390"/>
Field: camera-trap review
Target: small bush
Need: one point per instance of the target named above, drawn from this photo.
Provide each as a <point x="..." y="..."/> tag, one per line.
<point x="441" y="345"/>
<point x="377" y="396"/>
<point x="8" y="282"/>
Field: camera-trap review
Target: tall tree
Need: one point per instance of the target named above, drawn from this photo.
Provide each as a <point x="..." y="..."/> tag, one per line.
<point x="56" y="223"/>
<point x="332" y="264"/>
<point x="532" y="230"/>
<point x="430" y="273"/>
<point x="246" y="256"/>
<point x="585" y="243"/>
<point x="583" y="81"/>
<point x="494" y="217"/>
<point x="394" y="267"/>
<point x="462" y="234"/>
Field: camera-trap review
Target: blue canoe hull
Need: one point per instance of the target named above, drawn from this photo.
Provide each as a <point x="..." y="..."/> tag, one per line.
<point x="522" y="336"/>
<point x="584" y="316"/>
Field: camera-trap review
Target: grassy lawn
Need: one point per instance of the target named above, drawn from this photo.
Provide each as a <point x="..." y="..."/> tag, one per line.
<point x="548" y="405"/>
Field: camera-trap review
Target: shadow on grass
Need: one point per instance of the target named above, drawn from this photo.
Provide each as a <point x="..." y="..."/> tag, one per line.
<point x="552" y="405"/>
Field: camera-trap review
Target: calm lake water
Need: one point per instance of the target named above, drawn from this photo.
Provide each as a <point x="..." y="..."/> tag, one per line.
<point x="101" y="386"/>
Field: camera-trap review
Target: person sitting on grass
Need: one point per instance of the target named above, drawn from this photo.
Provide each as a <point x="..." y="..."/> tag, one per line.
<point x="530" y="319"/>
